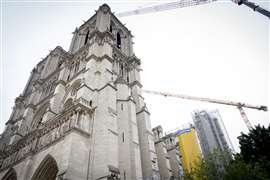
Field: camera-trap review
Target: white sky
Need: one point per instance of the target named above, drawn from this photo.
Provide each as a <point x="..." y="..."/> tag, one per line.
<point x="218" y="50"/>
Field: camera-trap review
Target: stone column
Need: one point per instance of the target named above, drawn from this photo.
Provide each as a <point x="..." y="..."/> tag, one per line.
<point x="148" y="153"/>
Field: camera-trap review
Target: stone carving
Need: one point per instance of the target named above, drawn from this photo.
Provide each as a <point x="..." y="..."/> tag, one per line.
<point x="51" y="131"/>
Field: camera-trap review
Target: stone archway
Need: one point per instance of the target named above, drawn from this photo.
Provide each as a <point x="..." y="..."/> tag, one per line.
<point x="47" y="169"/>
<point x="10" y="175"/>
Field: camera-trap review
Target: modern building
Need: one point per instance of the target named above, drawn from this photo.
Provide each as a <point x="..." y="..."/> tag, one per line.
<point x="189" y="148"/>
<point x="82" y="114"/>
<point x="167" y="149"/>
<point x="211" y="131"/>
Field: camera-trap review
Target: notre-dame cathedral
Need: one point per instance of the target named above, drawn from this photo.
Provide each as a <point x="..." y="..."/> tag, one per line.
<point x="81" y="115"/>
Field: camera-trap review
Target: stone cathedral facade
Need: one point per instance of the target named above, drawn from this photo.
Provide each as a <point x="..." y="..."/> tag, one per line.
<point x="81" y="115"/>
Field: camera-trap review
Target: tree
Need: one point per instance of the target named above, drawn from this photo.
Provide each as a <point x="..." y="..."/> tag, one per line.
<point x="240" y="170"/>
<point x="255" y="147"/>
<point x="212" y="167"/>
<point x="252" y="163"/>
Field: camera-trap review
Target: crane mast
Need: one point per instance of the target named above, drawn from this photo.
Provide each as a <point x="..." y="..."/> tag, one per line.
<point x="239" y="105"/>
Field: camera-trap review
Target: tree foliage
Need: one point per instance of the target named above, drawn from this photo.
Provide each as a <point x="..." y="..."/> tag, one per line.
<point x="255" y="147"/>
<point x="252" y="163"/>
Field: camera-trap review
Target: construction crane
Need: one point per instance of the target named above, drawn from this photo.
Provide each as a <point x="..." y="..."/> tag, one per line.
<point x="239" y="105"/>
<point x="188" y="3"/>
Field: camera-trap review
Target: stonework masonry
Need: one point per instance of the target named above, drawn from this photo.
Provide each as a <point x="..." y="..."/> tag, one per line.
<point x="169" y="160"/>
<point x="82" y="114"/>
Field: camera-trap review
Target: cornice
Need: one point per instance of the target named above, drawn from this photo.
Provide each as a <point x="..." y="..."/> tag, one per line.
<point x="143" y="109"/>
<point x="92" y="56"/>
<point x="126" y="100"/>
<point x="60" y="82"/>
<point x="121" y="80"/>
<point x="107" y="85"/>
<point x="96" y="89"/>
<point x="135" y="83"/>
<point x="101" y="35"/>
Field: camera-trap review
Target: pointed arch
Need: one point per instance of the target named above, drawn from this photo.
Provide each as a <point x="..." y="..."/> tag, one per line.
<point x="38" y="117"/>
<point x="72" y="90"/>
<point x="118" y="40"/>
<point x="47" y="170"/>
<point x="75" y="86"/>
<point x="68" y="103"/>
<point x="10" y="175"/>
<point x="86" y="37"/>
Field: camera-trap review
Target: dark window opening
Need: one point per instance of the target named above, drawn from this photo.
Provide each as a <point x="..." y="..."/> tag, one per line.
<point x="121" y="106"/>
<point x="86" y="37"/>
<point x="127" y="79"/>
<point x="110" y="28"/>
<point x="59" y="64"/>
<point x="40" y="122"/>
<point x="77" y="65"/>
<point x="90" y="103"/>
<point x="122" y="70"/>
<point x="124" y="175"/>
<point x="68" y="77"/>
<point x="118" y="40"/>
<point x="123" y="137"/>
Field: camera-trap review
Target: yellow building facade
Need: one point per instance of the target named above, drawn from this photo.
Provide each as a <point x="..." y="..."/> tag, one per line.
<point x="189" y="148"/>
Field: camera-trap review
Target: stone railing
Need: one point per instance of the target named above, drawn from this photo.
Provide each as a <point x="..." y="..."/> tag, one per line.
<point x="77" y="116"/>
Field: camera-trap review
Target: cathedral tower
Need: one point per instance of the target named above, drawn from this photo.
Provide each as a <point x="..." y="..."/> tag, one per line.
<point x="82" y="114"/>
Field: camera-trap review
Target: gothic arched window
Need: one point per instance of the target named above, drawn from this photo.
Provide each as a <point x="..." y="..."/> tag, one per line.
<point x="86" y="37"/>
<point x="38" y="118"/>
<point x="47" y="169"/>
<point x="122" y="70"/>
<point x="77" y="65"/>
<point x="75" y="86"/>
<point x="110" y="28"/>
<point x="118" y="40"/>
<point x="68" y="103"/>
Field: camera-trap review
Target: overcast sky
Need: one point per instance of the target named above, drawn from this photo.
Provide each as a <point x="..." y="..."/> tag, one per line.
<point x="219" y="50"/>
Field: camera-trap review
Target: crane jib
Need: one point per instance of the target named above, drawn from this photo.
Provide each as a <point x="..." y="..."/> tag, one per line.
<point x="188" y="3"/>
<point x="210" y="100"/>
